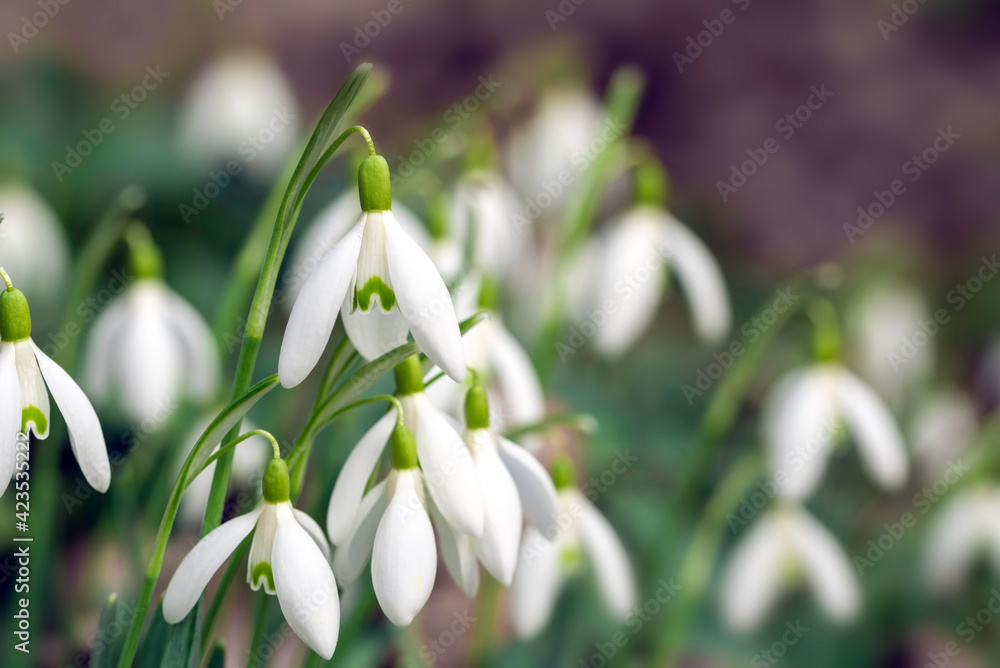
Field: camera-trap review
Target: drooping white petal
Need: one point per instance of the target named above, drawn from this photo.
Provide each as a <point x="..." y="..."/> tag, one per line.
<point x="424" y="300"/>
<point x="352" y="556"/>
<point x="376" y="332"/>
<point x="539" y="500"/>
<point x="497" y="547"/>
<point x="827" y="567"/>
<point x="349" y="489"/>
<point x="536" y="584"/>
<point x="459" y="553"/>
<point x="447" y="465"/>
<point x="880" y="443"/>
<point x="404" y="559"/>
<point x="608" y="558"/>
<point x="35" y="413"/>
<point x="629" y="281"/>
<point x="100" y="359"/>
<point x="956" y="534"/>
<point x="516" y="377"/>
<point x="85" y="435"/>
<point x="314" y="530"/>
<point x="752" y="580"/>
<point x="10" y="413"/>
<point x="315" y="312"/>
<point x="150" y="362"/>
<point x="202" y="562"/>
<point x="203" y="367"/>
<point x="307" y="590"/>
<point x="798" y="424"/>
<point x="700" y="276"/>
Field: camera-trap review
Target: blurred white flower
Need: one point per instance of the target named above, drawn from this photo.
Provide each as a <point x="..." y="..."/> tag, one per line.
<point x="288" y="557"/>
<point x="483" y="208"/>
<point x="800" y="422"/>
<point x="25" y="371"/>
<point x="385" y="286"/>
<point x="885" y="327"/>
<point x="547" y="559"/>
<point x="241" y="107"/>
<point x="787" y="547"/>
<point x="943" y="427"/>
<point x="966" y="528"/>
<point x="152" y="348"/>
<point x="629" y="277"/>
<point x="249" y="462"/>
<point x="29" y="232"/>
<point x="555" y="139"/>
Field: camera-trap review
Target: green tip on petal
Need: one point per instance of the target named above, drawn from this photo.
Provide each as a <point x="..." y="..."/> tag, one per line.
<point x="275" y="485"/>
<point x="477" y="407"/>
<point x="402" y="448"/>
<point x="409" y="376"/>
<point x="374" y="184"/>
<point x="262" y="571"/>
<point x="562" y="471"/>
<point x="651" y="185"/>
<point x="15" y="317"/>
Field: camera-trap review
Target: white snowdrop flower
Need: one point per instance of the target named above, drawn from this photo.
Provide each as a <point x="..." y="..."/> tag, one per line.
<point x="330" y="226"/>
<point x="801" y="419"/>
<point x="514" y="486"/>
<point x="249" y="462"/>
<point x="31" y="230"/>
<point x="556" y="138"/>
<point x="786" y="548"/>
<point x="892" y="339"/>
<point x="385" y="286"/>
<point x="965" y="530"/>
<point x="149" y="346"/>
<point x="943" y="427"/>
<point x="241" y="107"/>
<point x="631" y="276"/>
<point x="25" y="373"/>
<point x="288" y="557"/>
<point x="390" y="526"/>
<point x="483" y="209"/>
<point x="445" y="462"/>
<point x="547" y="558"/>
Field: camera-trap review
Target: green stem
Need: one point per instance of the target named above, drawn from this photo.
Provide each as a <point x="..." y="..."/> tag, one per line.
<point x="6" y="279"/>
<point x="231" y="445"/>
<point x="583" y="422"/>
<point x="699" y="562"/>
<point x="484" y="632"/>
<point x="257" y="635"/>
<point x="312" y="427"/>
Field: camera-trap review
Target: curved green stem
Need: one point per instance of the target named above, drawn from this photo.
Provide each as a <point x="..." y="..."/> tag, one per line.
<point x="699" y="562"/>
<point x="6" y="279"/>
<point x="583" y="422"/>
<point x="231" y="445"/>
<point x="313" y="427"/>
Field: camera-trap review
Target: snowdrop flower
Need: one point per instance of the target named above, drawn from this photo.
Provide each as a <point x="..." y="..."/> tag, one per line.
<point x="514" y="486"/>
<point x="249" y="462"/>
<point x="800" y="423"/>
<point x="885" y="324"/>
<point x="484" y="207"/>
<point x="549" y="557"/>
<point x="943" y="427"/>
<point x="444" y="459"/>
<point x="385" y="286"/>
<point x="241" y="107"/>
<point x="31" y="230"/>
<point x="965" y="530"/>
<point x="556" y="138"/>
<point x="785" y="548"/>
<point x="25" y="371"/>
<point x="288" y="557"/>
<point x="631" y="272"/>
<point x="504" y="367"/>
<point x="149" y="345"/>
<point x="331" y="224"/>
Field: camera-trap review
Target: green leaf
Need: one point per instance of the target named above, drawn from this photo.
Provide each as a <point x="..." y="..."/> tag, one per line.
<point x="225" y="421"/>
<point x="154" y="643"/>
<point x="183" y="649"/>
<point x="218" y="658"/>
<point x="108" y="642"/>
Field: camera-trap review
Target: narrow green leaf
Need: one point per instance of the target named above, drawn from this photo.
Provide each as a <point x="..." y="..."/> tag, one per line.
<point x="183" y="648"/>
<point x="218" y="658"/>
<point x="107" y="642"/>
<point x="154" y="643"/>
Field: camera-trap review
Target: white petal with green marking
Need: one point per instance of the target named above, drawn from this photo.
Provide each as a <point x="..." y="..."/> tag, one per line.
<point x="34" y="396"/>
<point x="372" y="283"/>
